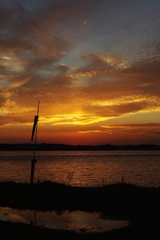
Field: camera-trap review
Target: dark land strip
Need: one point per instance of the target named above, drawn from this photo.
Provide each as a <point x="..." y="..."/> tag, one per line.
<point x="139" y="205"/>
<point x="61" y="147"/>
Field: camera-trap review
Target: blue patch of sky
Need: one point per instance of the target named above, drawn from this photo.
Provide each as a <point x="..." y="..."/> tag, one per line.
<point x="33" y="5"/>
<point x="4" y="82"/>
<point x="46" y="73"/>
<point x="115" y="31"/>
<point x="72" y="59"/>
<point x="30" y="5"/>
<point x="111" y="29"/>
<point x="5" y="33"/>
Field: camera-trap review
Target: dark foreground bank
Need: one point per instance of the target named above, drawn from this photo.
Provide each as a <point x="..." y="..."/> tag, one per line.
<point x="141" y="206"/>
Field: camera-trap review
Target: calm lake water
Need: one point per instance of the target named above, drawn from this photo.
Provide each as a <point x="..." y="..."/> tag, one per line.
<point x="76" y="220"/>
<point x="83" y="168"/>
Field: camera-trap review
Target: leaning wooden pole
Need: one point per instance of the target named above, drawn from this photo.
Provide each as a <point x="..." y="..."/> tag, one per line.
<point x="34" y="130"/>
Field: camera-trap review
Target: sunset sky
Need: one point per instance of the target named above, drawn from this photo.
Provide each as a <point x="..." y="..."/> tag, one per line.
<point x="94" y="65"/>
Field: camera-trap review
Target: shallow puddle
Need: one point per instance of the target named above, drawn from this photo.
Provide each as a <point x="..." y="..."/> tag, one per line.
<point x="76" y="220"/>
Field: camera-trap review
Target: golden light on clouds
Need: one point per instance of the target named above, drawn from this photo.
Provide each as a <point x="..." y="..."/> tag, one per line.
<point x="93" y="67"/>
<point x="71" y="119"/>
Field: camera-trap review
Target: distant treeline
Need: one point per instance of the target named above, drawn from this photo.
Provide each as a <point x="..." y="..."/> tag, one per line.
<point x="55" y="147"/>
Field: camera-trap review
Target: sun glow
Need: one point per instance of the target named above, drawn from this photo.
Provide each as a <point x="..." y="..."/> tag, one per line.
<point x="71" y="119"/>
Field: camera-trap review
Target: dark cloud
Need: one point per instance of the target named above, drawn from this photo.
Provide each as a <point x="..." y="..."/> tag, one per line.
<point x="32" y="37"/>
<point x="118" y="110"/>
<point x="14" y="119"/>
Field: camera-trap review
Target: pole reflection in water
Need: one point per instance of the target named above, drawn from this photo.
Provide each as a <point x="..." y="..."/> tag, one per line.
<point x="34" y="218"/>
<point x="77" y="220"/>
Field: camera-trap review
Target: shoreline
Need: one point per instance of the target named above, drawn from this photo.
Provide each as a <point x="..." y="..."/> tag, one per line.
<point x="118" y="199"/>
<point x="139" y="205"/>
<point x="65" y="147"/>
